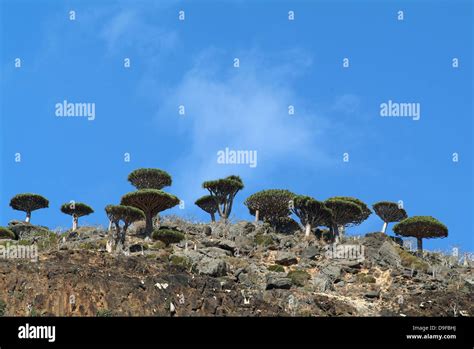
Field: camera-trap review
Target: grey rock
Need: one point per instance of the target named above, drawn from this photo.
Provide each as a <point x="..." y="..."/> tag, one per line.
<point x="286" y="258"/>
<point x="310" y="252"/>
<point x="214" y="252"/>
<point x="275" y="281"/>
<point x="332" y="271"/>
<point x="322" y="283"/>
<point x="212" y="267"/>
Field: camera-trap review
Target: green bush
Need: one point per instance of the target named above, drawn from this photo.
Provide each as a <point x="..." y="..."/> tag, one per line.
<point x="6" y="233"/>
<point x="179" y="261"/>
<point x="3" y="308"/>
<point x="409" y="260"/>
<point x="365" y="279"/>
<point x="276" y="268"/>
<point x="298" y="277"/>
<point x="104" y="313"/>
<point x="167" y="236"/>
<point x="263" y="240"/>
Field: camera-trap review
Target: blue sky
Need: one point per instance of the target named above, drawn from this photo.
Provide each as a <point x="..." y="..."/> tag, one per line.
<point x="282" y="62"/>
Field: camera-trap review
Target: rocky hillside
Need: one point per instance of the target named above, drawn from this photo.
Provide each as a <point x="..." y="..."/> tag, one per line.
<point x="241" y="269"/>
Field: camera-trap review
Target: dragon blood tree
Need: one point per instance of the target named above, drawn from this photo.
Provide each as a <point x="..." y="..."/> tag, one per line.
<point x="28" y="203"/>
<point x="311" y="212"/>
<point x="389" y="212"/>
<point x="149" y="178"/>
<point x="365" y="211"/>
<point x="151" y="202"/>
<point x="270" y="205"/>
<point x="344" y="213"/>
<point x="223" y="191"/>
<point x="421" y="227"/>
<point x="208" y="204"/>
<point x="76" y="210"/>
<point x="126" y="214"/>
<point x="149" y="197"/>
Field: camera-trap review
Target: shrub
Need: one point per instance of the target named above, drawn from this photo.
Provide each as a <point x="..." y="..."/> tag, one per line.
<point x="365" y="278"/>
<point x="223" y="191"/>
<point x="421" y="227"/>
<point x="409" y="260"/>
<point x="389" y="212"/>
<point x="3" y="308"/>
<point x="28" y="203"/>
<point x="179" y="261"/>
<point x="6" y="233"/>
<point x="263" y="239"/>
<point x="168" y="236"/>
<point x="276" y="268"/>
<point x="76" y="210"/>
<point x="298" y="277"/>
<point x="104" y="313"/>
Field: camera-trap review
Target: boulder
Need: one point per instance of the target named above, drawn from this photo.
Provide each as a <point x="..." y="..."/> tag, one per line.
<point x="275" y="281"/>
<point x="322" y="283"/>
<point x="310" y="252"/>
<point x="212" y="267"/>
<point x="286" y="258"/>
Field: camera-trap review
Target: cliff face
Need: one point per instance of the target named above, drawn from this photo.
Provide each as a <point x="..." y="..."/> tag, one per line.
<point x="234" y="270"/>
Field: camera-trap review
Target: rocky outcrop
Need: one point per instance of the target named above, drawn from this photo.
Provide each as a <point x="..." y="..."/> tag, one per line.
<point x="229" y="270"/>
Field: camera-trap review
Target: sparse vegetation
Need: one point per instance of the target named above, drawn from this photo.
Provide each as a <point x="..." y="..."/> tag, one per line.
<point x="365" y="278"/>
<point x="168" y="236"/>
<point x="276" y="268"/>
<point x="3" y="307"/>
<point x="104" y="313"/>
<point x="298" y="277"/>
<point x="264" y="240"/>
<point x="6" y="233"/>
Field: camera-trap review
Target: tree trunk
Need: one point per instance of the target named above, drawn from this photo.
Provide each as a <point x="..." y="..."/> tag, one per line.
<point x="335" y="234"/>
<point x="149" y="225"/>
<point x="110" y="225"/>
<point x="256" y="215"/>
<point x="213" y="217"/>
<point x="74" y="222"/>
<point x="384" y="227"/>
<point x="419" y="245"/>
<point x="308" y="230"/>
<point x="28" y="217"/>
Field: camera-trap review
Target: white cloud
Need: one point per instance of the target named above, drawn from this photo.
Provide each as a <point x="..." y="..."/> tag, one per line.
<point x="245" y="109"/>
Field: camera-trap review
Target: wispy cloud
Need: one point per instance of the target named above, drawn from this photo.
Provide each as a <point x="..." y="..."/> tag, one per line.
<point x="245" y="108"/>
